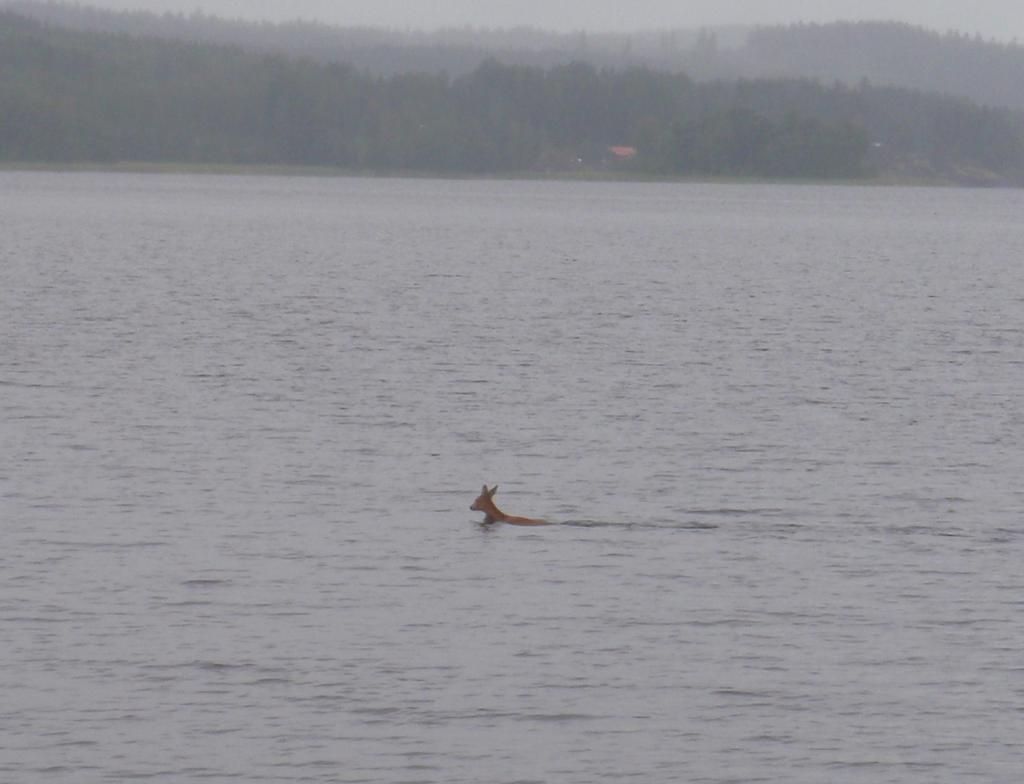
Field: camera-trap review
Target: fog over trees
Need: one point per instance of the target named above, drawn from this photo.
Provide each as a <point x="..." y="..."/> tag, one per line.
<point x="79" y="84"/>
<point x="884" y="53"/>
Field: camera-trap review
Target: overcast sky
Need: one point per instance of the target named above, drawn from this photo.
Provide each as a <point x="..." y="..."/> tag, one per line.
<point x="1003" y="19"/>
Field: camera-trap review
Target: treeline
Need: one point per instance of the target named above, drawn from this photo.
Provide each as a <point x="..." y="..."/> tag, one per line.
<point x="883" y="53"/>
<point x="387" y="52"/>
<point x="889" y="53"/>
<point x="73" y="96"/>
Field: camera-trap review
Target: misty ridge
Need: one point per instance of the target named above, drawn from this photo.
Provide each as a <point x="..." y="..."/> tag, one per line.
<point x="883" y="53"/>
<point x="821" y="101"/>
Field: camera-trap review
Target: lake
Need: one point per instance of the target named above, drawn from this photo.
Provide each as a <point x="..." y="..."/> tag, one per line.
<point x="778" y="430"/>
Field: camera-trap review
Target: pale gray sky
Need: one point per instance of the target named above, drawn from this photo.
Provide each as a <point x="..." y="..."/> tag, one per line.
<point x="1003" y="19"/>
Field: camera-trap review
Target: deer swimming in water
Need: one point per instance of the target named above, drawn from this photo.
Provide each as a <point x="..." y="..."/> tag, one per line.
<point x="492" y="514"/>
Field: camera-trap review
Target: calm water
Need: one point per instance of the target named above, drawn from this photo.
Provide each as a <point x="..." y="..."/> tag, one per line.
<point x="243" y="418"/>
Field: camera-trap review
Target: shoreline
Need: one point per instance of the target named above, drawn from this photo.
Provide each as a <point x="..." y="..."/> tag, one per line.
<point x="591" y="175"/>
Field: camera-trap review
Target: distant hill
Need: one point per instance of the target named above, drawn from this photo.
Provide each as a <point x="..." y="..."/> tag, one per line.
<point x="75" y="96"/>
<point x="889" y="53"/>
<point x="454" y="51"/>
<point x="883" y="53"/>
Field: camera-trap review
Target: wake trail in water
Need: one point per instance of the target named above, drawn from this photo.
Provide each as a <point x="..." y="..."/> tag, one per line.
<point x="631" y="525"/>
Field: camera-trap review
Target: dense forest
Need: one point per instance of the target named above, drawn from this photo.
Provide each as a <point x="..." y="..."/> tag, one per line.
<point x="889" y="53"/>
<point x="69" y="96"/>
<point x="884" y="53"/>
<point x="454" y="51"/>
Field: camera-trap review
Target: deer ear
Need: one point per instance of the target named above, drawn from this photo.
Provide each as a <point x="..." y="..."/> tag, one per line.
<point x="484" y="491"/>
<point x="493" y="491"/>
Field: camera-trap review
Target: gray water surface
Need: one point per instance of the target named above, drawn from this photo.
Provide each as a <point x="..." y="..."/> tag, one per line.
<point x="242" y="420"/>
